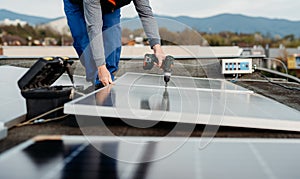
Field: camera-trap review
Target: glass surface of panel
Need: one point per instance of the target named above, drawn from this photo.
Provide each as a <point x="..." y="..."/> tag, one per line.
<point x="12" y="104"/>
<point x="136" y="96"/>
<point x="73" y="157"/>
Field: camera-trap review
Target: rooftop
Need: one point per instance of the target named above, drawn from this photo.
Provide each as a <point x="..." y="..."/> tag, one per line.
<point x="66" y="137"/>
<point x="253" y="82"/>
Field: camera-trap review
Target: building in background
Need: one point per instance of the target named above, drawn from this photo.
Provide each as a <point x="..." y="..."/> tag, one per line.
<point x="13" y="22"/>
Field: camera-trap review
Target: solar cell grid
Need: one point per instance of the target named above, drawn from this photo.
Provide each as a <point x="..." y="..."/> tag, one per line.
<point x="225" y="158"/>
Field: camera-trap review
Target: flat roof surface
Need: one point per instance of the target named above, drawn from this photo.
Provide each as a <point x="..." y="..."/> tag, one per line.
<point x="69" y="125"/>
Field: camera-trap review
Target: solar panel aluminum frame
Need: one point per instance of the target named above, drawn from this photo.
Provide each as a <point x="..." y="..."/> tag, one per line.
<point x="273" y="122"/>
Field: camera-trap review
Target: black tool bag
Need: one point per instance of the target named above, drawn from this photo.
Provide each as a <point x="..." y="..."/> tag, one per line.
<point x="35" y="87"/>
<point x="107" y="6"/>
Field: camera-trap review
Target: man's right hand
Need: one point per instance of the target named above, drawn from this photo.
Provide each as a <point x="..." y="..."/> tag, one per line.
<point x="160" y="55"/>
<point x="104" y="75"/>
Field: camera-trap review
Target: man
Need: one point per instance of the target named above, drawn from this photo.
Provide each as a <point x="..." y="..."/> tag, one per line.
<point x="97" y="22"/>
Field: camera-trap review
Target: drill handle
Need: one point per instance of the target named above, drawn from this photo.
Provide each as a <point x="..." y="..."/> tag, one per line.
<point x="168" y="63"/>
<point x="149" y="60"/>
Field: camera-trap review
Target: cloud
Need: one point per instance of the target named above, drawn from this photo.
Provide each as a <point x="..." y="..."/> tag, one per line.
<point x="43" y="8"/>
<point x="287" y="9"/>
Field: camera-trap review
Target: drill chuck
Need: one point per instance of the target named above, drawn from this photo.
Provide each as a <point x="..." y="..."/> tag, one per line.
<point x="167" y="76"/>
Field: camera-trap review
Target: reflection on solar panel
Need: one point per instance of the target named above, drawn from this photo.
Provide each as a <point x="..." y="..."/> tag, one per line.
<point x="186" y="100"/>
<point x="73" y="157"/>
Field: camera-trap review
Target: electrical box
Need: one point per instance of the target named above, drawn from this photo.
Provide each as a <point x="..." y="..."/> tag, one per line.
<point x="237" y="66"/>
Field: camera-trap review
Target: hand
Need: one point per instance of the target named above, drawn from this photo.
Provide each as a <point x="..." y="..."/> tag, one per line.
<point x="104" y="75"/>
<point x="160" y="55"/>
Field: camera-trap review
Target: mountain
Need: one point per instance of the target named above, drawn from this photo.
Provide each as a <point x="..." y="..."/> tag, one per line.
<point x="245" y="24"/>
<point x="225" y="22"/>
<point x="32" y="20"/>
<point x="58" y="24"/>
<point x="214" y="24"/>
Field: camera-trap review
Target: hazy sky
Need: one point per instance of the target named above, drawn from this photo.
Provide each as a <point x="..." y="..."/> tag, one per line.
<point x="286" y="9"/>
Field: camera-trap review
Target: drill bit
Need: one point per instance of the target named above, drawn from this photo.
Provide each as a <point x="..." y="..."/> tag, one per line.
<point x="167" y="65"/>
<point x="167" y="76"/>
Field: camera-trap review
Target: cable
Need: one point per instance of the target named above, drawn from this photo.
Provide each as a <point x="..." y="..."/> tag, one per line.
<point x="79" y="93"/>
<point x="281" y="85"/>
<point x="284" y="66"/>
<point x="235" y="79"/>
<point x="38" y="120"/>
<point x="50" y="119"/>
<point x="278" y="73"/>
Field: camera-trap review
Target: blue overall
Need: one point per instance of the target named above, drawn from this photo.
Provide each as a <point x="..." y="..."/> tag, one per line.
<point x="111" y="38"/>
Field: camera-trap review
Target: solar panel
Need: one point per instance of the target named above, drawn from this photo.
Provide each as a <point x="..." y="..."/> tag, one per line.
<point x="3" y="131"/>
<point x="74" y="157"/>
<point x="12" y="104"/>
<point x="186" y="100"/>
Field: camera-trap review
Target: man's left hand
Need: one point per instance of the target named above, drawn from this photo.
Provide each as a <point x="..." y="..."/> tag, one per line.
<point x="104" y="75"/>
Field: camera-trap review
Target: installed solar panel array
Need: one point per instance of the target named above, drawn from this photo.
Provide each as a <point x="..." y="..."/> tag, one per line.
<point x="73" y="157"/>
<point x="186" y="100"/>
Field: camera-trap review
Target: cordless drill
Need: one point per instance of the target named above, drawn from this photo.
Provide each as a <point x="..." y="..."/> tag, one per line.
<point x="168" y="62"/>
